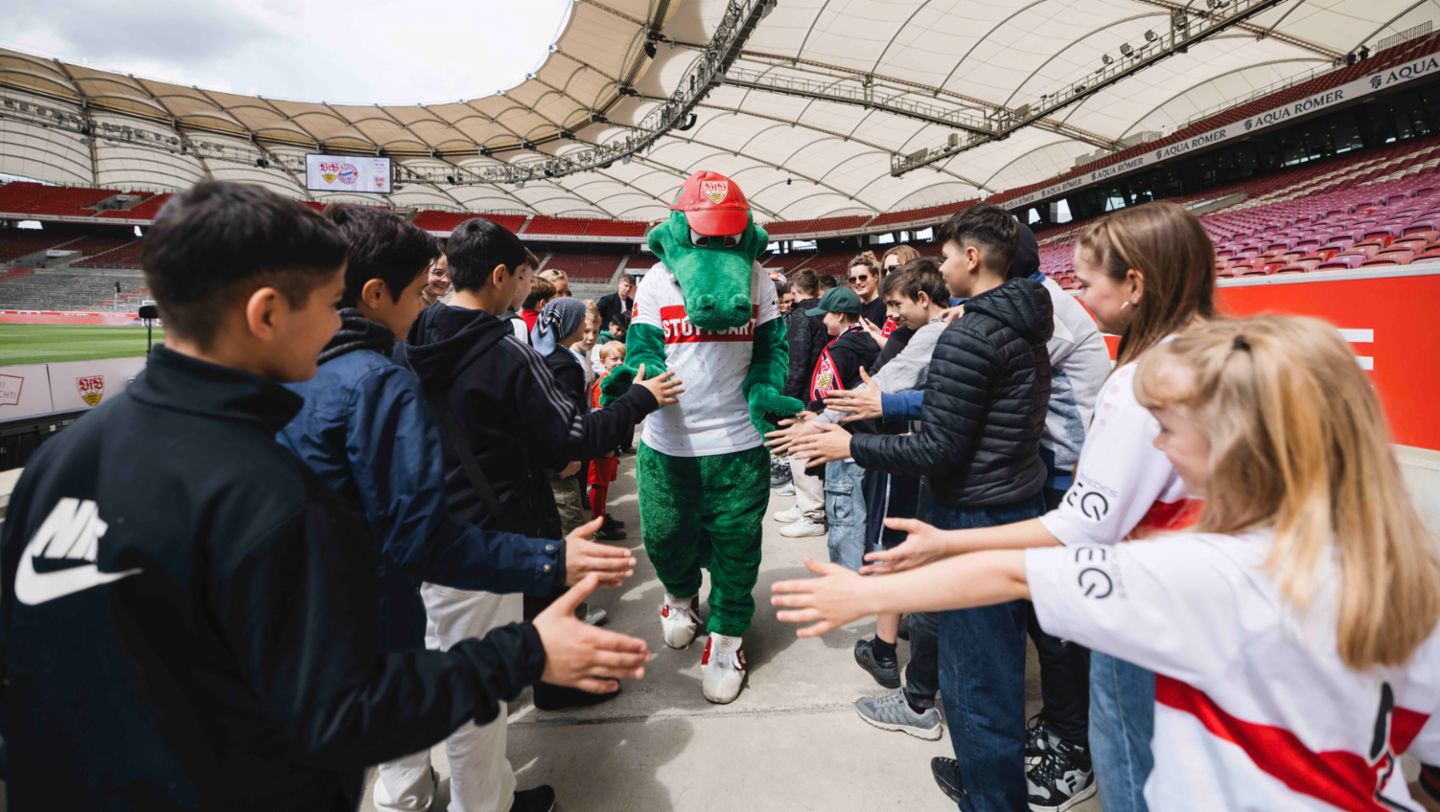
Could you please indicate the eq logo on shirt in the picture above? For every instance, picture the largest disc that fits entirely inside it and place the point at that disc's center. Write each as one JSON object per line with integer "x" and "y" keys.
{"x": 678, "y": 330}
{"x": 1094, "y": 576}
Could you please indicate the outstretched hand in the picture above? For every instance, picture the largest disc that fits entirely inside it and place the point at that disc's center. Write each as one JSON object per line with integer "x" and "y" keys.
{"x": 582, "y": 656}
{"x": 829, "y": 444}
{"x": 924, "y": 544}
{"x": 828, "y": 602}
{"x": 667, "y": 388}
{"x": 791, "y": 429}
{"x": 860, "y": 403}
{"x": 584, "y": 555}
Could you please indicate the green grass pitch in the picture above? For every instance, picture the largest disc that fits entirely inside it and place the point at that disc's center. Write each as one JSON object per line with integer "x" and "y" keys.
{"x": 47, "y": 343}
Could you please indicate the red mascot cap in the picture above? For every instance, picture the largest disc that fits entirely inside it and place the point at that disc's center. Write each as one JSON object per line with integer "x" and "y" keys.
{"x": 713, "y": 204}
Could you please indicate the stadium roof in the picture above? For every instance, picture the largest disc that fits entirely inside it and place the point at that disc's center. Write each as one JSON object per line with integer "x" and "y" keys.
{"x": 821, "y": 98}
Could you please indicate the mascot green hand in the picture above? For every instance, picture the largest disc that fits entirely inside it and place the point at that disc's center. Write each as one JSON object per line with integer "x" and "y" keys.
{"x": 708, "y": 312}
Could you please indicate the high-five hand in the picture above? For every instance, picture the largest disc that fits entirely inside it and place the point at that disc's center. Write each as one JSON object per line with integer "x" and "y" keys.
{"x": 861, "y": 403}
{"x": 584, "y": 555}
{"x": 835, "y": 598}
{"x": 924, "y": 544}
{"x": 829, "y": 444}
{"x": 667, "y": 388}
{"x": 583, "y": 656}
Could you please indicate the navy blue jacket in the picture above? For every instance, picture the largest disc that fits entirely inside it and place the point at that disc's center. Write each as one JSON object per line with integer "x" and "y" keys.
{"x": 367, "y": 432}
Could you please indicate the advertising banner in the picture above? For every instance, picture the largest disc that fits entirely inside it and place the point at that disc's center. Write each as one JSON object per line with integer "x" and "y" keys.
{"x": 1387, "y": 315}
{"x": 24, "y": 392}
{"x": 78, "y": 385}
{"x": 347, "y": 173}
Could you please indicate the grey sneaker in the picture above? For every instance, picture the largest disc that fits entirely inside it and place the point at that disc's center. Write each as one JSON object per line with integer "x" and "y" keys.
{"x": 892, "y": 712}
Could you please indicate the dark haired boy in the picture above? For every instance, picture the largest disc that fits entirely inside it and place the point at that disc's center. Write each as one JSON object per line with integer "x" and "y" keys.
{"x": 978, "y": 446}
{"x": 510, "y": 416}
{"x": 186, "y": 606}
{"x": 365, "y": 430}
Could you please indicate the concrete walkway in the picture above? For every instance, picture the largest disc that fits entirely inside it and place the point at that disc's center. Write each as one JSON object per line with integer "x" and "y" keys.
{"x": 792, "y": 741}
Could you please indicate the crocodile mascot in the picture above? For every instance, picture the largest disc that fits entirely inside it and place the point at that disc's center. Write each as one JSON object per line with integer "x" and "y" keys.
{"x": 707, "y": 311}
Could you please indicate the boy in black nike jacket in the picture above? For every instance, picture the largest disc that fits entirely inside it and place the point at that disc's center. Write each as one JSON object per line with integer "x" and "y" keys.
{"x": 188, "y": 613}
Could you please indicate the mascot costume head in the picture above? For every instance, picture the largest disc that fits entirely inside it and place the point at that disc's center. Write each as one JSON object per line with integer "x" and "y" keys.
{"x": 710, "y": 243}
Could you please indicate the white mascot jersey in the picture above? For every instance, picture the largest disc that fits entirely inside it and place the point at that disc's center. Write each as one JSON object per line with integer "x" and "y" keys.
{"x": 712, "y": 416}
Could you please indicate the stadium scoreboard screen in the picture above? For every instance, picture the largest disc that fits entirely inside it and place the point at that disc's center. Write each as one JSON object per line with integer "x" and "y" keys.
{"x": 347, "y": 173}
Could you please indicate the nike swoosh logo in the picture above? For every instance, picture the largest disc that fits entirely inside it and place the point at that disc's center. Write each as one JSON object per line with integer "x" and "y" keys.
{"x": 34, "y": 588}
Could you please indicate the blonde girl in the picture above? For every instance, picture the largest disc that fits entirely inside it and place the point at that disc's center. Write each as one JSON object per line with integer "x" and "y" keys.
{"x": 1292, "y": 631}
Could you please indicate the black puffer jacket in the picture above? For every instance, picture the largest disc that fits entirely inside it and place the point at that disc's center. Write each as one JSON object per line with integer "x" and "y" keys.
{"x": 985, "y": 398}
{"x": 807, "y": 336}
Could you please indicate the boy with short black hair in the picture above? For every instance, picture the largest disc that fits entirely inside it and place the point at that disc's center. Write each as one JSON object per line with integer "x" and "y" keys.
{"x": 362, "y": 408}
{"x": 978, "y": 445}
{"x": 511, "y": 420}
{"x": 189, "y": 614}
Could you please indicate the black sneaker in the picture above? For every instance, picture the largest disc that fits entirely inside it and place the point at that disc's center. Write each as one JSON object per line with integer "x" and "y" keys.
{"x": 1062, "y": 778}
{"x": 539, "y": 799}
{"x": 779, "y": 476}
{"x": 609, "y": 533}
{"x": 885, "y": 673}
{"x": 947, "y": 776}
{"x": 562, "y": 697}
{"x": 612, "y": 522}
{"x": 1037, "y": 740}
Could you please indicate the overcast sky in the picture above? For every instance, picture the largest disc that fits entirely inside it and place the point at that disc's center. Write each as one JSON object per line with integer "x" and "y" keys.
{"x": 353, "y": 52}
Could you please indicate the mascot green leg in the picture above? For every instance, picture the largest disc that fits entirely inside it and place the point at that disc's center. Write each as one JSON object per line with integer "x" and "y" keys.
{"x": 706, "y": 511}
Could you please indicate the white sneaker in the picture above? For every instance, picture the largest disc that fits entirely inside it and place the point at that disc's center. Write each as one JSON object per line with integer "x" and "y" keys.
{"x": 789, "y": 515}
{"x": 788, "y": 489}
{"x": 802, "y": 529}
{"x": 680, "y": 620}
{"x": 722, "y": 668}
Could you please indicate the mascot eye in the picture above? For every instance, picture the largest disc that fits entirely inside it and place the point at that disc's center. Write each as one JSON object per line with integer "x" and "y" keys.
{"x": 729, "y": 240}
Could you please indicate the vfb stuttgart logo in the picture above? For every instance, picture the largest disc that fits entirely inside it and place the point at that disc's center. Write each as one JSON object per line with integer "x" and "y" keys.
{"x": 716, "y": 190}
{"x": 91, "y": 388}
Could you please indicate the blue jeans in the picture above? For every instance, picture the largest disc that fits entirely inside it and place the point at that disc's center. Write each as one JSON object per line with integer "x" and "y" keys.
{"x": 1122, "y": 722}
{"x": 982, "y": 677}
{"x": 845, "y": 513}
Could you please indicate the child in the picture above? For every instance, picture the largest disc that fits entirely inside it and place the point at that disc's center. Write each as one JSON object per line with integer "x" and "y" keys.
{"x": 541, "y": 292}
{"x": 512, "y": 420}
{"x": 850, "y": 350}
{"x": 362, "y": 406}
{"x": 606, "y": 469}
{"x": 212, "y": 643}
{"x": 614, "y": 330}
{"x": 1309, "y": 582}
{"x": 916, "y": 294}
{"x": 979, "y": 447}
{"x": 560, "y": 327}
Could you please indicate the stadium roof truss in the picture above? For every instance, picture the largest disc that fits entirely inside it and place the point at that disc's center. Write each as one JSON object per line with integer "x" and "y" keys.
{"x": 819, "y": 108}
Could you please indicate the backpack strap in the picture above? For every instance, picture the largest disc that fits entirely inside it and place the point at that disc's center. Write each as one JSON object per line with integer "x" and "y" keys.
{"x": 451, "y": 433}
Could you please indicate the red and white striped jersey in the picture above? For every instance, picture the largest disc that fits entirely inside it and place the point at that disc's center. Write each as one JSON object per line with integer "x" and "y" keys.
{"x": 1254, "y": 709}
